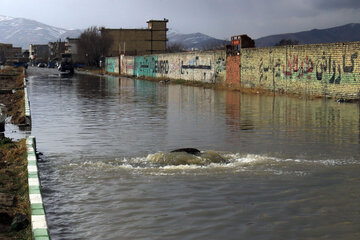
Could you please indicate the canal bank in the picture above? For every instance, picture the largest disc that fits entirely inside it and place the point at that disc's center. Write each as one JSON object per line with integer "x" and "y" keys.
{"x": 21, "y": 209}
{"x": 14, "y": 199}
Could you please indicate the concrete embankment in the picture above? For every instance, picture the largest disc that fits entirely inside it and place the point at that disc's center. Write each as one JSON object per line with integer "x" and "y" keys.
{"x": 38, "y": 217}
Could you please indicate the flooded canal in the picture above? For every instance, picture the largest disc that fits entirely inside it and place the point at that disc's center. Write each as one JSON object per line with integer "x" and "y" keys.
{"x": 291, "y": 166}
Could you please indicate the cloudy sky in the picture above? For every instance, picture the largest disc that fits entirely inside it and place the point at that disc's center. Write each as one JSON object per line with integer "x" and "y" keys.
{"x": 217, "y": 18}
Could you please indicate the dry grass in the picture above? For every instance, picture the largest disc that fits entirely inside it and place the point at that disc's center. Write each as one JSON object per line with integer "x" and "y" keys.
{"x": 16, "y": 108}
{"x": 13, "y": 160}
{"x": 13, "y": 180}
{"x": 15, "y": 103}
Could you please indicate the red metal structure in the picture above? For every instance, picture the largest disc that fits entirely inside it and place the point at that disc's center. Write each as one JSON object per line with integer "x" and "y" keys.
{"x": 238, "y": 42}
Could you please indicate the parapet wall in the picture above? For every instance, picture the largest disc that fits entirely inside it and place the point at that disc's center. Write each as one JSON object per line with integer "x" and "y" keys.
{"x": 316, "y": 69}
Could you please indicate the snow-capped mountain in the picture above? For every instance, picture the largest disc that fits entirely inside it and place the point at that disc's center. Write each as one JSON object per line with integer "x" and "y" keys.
{"x": 194, "y": 40}
{"x": 22, "y": 32}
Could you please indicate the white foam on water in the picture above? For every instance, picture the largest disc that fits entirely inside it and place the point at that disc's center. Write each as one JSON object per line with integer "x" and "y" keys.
{"x": 235, "y": 162}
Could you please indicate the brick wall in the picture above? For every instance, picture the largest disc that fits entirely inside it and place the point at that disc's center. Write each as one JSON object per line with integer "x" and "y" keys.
{"x": 233, "y": 70}
{"x": 316, "y": 69}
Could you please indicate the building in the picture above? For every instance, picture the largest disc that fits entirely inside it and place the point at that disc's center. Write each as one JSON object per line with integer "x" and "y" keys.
{"x": 39, "y": 53}
{"x": 151, "y": 40}
{"x": 55, "y": 50}
{"x": 71, "y": 47}
{"x": 238, "y": 42}
{"x": 9, "y": 54}
{"x": 4, "y": 52}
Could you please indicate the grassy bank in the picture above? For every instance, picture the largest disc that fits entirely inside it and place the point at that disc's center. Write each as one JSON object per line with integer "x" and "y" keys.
{"x": 12, "y": 93}
{"x": 14, "y": 200}
{"x": 14, "y": 195}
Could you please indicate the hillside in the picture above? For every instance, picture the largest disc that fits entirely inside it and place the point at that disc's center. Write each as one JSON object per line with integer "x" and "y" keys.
{"x": 198, "y": 41}
{"x": 21, "y": 32}
{"x": 345, "y": 33}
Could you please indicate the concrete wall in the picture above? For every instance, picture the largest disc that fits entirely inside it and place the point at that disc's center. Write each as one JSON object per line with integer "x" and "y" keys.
{"x": 316, "y": 69}
{"x": 194, "y": 66}
{"x": 127, "y": 65}
{"x": 112, "y": 64}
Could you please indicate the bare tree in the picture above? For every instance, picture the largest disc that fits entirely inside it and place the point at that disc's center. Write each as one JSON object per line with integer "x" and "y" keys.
{"x": 216, "y": 45}
{"x": 284, "y": 42}
{"x": 175, "y": 47}
{"x": 94, "y": 45}
{"x": 2, "y": 57}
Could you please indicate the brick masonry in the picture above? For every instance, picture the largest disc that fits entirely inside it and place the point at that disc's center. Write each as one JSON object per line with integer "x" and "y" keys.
{"x": 316, "y": 69}
{"x": 233, "y": 71}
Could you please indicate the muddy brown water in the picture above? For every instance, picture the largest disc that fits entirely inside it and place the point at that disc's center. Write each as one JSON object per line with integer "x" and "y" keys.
{"x": 292, "y": 167}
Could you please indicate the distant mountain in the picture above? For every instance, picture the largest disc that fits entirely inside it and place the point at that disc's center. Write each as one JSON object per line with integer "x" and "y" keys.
{"x": 198, "y": 41}
{"x": 346, "y": 33}
{"x": 22, "y": 32}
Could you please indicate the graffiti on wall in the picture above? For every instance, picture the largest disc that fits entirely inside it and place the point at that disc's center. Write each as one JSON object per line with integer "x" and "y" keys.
{"x": 145, "y": 66}
{"x": 220, "y": 65}
{"x": 194, "y": 63}
{"x": 110, "y": 65}
{"x": 209, "y": 67}
{"x": 127, "y": 65}
{"x": 162, "y": 66}
{"x": 297, "y": 67}
{"x": 149, "y": 66}
{"x": 273, "y": 66}
{"x": 333, "y": 68}
{"x": 324, "y": 68}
